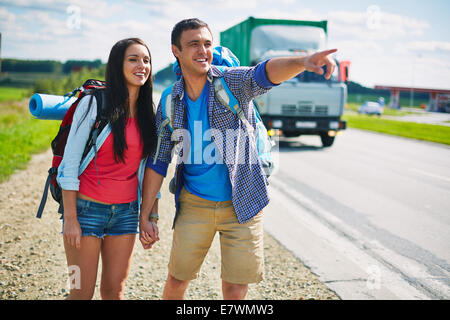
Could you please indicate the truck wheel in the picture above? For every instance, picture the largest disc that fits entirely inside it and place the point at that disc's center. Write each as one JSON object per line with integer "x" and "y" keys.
{"x": 327, "y": 141}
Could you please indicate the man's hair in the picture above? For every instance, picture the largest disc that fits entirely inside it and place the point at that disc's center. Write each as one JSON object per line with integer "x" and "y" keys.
{"x": 186, "y": 24}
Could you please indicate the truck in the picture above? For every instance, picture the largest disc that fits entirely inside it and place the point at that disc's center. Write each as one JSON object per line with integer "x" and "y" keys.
{"x": 307, "y": 104}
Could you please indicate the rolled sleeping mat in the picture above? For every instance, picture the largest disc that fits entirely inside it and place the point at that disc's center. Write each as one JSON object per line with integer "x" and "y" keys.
{"x": 50, "y": 107}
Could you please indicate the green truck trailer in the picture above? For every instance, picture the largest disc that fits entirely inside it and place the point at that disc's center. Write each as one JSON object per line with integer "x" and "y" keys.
{"x": 308, "y": 103}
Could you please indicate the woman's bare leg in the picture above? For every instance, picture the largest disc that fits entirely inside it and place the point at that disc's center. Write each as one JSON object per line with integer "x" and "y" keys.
{"x": 83, "y": 264}
{"x": 116, "y": 259}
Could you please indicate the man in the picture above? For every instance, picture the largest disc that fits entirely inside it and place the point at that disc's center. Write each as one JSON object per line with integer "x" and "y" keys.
{"x": 225, "y": 196}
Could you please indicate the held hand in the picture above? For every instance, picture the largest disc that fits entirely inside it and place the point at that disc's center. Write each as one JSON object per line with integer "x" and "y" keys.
{"x": 316, "y": 61}
{"x": 143, "y": 237}
{"x": 72, "y": 232}
{"x": 148, "y": 233}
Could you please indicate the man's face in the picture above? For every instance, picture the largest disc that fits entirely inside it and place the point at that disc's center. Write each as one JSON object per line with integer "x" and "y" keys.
{"x": 196, "y": 52}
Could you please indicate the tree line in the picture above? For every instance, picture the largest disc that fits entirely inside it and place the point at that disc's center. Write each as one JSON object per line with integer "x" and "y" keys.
{"x": 356, "y": 88}
{"x": 50, "y": 66}
{"x": 69, "y": 82}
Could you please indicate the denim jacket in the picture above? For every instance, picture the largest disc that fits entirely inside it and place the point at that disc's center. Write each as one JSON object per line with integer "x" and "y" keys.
{"x": 71, "y": 166}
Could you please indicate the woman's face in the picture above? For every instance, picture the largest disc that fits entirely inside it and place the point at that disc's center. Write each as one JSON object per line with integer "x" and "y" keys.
{"x": 136, "y": 65}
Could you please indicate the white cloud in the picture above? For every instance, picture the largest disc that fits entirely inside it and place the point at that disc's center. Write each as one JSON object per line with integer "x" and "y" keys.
{"x": 359, "y": 25}
{"x": 7, "y": 21}
{"x": 43, "y": 5}
{"x": 6, "y": 17}
{"x": 225, "y": 4}
{"x": 98, "y": 8}
{"x": 400, "y": 70}
{"x": 383, "y": 26}
{"x": 428, "y": 46}
{"x": 293, "y": 14}
{"x": 349, "y": 49}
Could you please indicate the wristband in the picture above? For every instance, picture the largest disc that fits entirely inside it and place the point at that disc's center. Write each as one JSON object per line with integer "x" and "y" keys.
{"x": 154, "y": 217}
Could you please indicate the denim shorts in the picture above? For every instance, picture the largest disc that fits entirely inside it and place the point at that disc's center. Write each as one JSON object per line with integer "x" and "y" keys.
{"x": 100, "y": 220}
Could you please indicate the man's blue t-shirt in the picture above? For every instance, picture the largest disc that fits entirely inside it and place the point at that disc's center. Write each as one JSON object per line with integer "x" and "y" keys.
{"x": 205, "y": 174}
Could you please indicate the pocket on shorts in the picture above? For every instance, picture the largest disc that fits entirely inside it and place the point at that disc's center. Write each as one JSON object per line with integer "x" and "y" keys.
{"x": 81, "y": 210}
{"x": 135, "y": 208}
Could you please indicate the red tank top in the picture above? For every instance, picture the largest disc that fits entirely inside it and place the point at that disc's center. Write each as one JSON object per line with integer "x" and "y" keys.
{"x": 118, "y": 181}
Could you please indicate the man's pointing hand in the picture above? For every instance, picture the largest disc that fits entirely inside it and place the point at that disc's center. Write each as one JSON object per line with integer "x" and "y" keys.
{"x": 316, "y": 61}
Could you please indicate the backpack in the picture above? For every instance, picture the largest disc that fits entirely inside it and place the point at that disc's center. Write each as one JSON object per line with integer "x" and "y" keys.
{"x": 95, "y": 89}
{"x": 222, "y": 57}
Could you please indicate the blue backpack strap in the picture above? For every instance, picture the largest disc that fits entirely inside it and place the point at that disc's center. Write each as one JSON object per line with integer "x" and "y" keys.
{"x": 167, "y": 108}
{"x": 167, "y": 111}
{"x": 256, "y": 107}
{"x": 227, "y": 98}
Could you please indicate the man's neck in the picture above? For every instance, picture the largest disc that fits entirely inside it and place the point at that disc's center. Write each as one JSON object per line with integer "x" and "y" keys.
{"x": 193, "y": 84}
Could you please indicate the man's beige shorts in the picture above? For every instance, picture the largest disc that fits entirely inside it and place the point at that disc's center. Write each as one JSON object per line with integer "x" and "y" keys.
{"x": 241, "y": 244}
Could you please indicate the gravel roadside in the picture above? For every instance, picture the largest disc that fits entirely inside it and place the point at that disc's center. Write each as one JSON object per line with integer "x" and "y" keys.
{"x": 33, "y": 263}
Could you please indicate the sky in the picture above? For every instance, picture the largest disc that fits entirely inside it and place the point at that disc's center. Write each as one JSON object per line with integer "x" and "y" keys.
{"x": 396, "y": 42}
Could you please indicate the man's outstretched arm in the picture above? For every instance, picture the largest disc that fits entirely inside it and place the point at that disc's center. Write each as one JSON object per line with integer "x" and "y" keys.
{"x": 284, "y": 68}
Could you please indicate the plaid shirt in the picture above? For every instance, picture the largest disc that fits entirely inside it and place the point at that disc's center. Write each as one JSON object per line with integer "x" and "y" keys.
{"x": 249, "y": 184}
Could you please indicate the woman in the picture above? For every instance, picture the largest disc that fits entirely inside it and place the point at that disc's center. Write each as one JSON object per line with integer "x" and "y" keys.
{"x": 101, "y": 205}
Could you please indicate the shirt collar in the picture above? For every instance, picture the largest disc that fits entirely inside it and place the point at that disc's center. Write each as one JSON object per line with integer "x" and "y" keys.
{"x": 178, "y": 87}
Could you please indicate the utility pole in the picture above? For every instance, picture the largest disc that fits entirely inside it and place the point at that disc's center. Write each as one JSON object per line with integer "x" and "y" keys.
{"x": 411, "y": 96}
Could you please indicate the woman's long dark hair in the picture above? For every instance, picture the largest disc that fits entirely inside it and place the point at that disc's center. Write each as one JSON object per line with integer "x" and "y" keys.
{"x": 117, "y": 106}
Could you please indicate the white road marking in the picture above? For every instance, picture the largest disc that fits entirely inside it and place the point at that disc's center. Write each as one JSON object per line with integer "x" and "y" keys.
{"x": 425, "y": 173}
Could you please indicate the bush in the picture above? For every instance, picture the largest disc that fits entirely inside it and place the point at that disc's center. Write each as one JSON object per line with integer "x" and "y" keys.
{"x": 67, "y": 84}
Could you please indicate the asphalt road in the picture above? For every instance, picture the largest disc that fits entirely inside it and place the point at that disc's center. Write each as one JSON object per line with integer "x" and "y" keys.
{"x": 370, "y": 215}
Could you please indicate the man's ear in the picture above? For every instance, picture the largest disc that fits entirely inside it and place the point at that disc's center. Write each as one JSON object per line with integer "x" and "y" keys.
{"x": 175, "y": 51}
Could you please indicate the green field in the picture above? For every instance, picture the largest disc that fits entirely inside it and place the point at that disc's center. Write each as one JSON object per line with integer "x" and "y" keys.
{"x": 13, "y": 94}
{"x": 428, "y": 132}
{"x": 27, "y": 79}
{"x": 21, "y": 136}
{"x": 420, "y": 131}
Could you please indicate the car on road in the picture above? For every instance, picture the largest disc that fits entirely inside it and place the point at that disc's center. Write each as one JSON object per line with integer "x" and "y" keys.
{"x": 370, "y": 107}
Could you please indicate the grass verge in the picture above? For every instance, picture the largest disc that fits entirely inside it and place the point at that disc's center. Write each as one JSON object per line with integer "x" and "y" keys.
{"x": 21, "y": 136}
{"x": 420, "y": 131}
{"x": 13, "y": 94}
